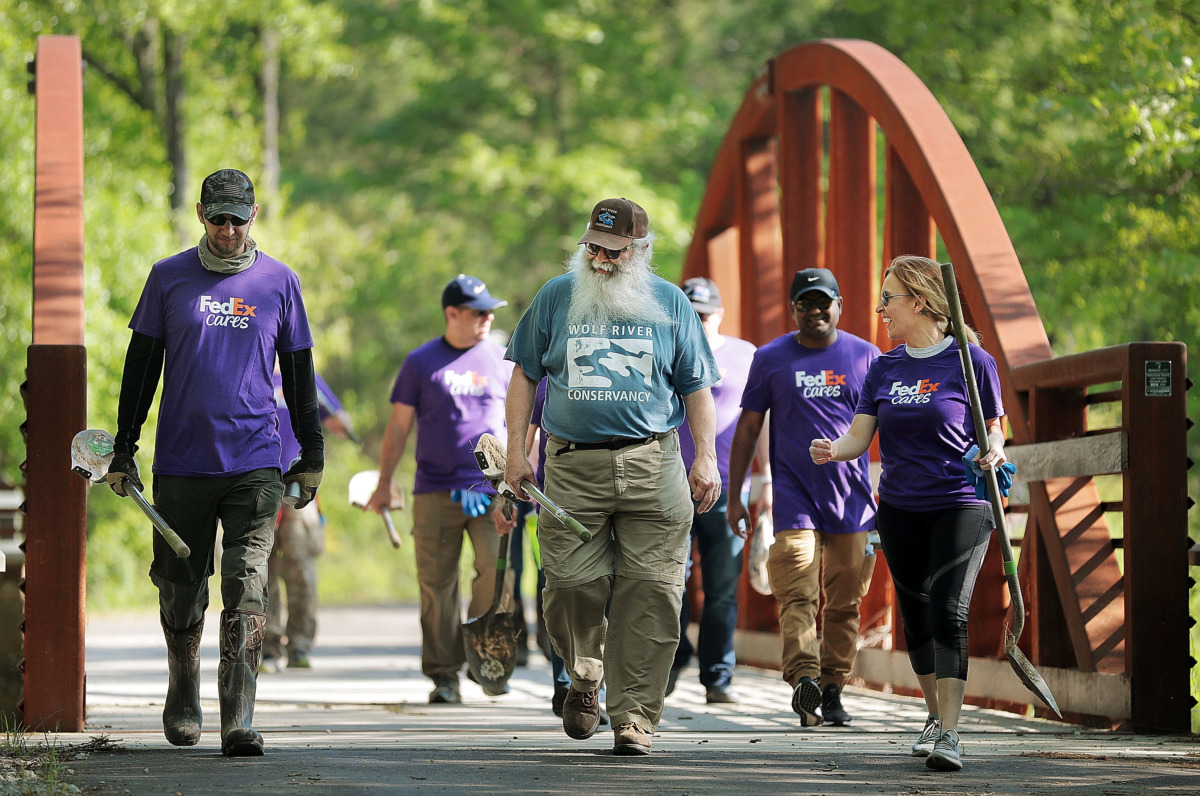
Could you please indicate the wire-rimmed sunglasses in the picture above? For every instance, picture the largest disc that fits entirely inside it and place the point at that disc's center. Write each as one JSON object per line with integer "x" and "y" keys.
{"x": 884, "y": 298}
{"x": 611, "y": 254}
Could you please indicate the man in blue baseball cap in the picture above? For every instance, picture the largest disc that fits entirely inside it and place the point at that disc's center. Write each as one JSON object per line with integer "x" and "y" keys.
{"x": 452, "y": 388}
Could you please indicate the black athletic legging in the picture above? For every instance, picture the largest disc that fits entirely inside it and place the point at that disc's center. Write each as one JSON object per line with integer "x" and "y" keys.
{"x": 934, "y": 558}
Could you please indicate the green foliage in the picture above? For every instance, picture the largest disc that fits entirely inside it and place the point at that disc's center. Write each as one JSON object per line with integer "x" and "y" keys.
{"x": 423, "y": 139}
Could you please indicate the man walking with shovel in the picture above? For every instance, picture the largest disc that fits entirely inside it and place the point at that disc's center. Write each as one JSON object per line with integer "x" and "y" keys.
{"x": 218, "y": 315}
{"x": 624, "y": 354}
{"x": 452, "y": 389}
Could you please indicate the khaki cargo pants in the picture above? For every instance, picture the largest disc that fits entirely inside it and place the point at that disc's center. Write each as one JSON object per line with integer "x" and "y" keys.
{"x": 637, "y": 504}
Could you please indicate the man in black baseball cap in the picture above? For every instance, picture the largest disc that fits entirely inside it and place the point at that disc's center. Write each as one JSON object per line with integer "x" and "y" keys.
{"x": 818, "y": 279}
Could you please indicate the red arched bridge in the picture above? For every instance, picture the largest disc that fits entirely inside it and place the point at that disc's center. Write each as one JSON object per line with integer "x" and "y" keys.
{"x": 795, "y": 185}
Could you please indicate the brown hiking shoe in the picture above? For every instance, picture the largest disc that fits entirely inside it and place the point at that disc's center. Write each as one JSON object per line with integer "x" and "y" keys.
{"x": 631, "y": 740}
{"x": 581, "y": 713}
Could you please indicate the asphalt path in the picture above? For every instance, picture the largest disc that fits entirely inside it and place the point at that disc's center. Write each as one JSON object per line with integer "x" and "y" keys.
{"x": 358, "y": 722}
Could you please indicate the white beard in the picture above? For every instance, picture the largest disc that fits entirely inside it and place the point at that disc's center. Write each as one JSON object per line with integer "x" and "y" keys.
{"x": 627, "y": 295}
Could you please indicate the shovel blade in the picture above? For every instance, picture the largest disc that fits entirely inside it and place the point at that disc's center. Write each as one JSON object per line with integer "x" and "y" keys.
{"x": 1029, "y": 675}
{"x": 490, "y": 642}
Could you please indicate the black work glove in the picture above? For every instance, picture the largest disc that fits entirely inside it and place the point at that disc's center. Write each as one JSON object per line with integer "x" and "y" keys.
{"x": 305, "y": 472}
{"x": 121, "y": 467}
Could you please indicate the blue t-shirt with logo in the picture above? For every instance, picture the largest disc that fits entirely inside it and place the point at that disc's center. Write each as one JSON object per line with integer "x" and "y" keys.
{"x": 811, "y": 393}
{"x": 733, "y": 357}
{"x": 925, "y": 424}
{"x": 458, "y": 395}
{"x": 216, "y": 415}
{"x": 612, "y": 378}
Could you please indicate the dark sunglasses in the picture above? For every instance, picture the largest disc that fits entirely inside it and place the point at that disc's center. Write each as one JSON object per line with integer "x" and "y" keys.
{"x": 219, "y": 221}
{"x": 612, "y": 254}
{"x": 808, "y": 304}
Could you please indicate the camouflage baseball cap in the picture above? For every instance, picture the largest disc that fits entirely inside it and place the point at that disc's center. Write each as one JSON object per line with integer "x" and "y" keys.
{"x": 227, "y": 191}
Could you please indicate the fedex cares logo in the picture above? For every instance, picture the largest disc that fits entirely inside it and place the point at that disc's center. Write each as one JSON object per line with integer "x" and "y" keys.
{"x": 822, "y": 384}
{"x": 235, "y": 312}
{"x": 469, "y": 383}
{"x": 918, "y": 393}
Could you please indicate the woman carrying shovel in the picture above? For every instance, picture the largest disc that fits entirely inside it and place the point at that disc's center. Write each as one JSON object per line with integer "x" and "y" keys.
{"x": 934, "y": 528}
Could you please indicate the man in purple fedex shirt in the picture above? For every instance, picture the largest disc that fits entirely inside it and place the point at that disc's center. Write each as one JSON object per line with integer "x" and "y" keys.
{"x": 809, "y": 380}
{"x": 453, "y": 388}
{"x": 218, "y": 315}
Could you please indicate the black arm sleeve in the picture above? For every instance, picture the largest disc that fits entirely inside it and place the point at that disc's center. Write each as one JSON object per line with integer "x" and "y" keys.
{"x": 139, "y": 382}
{"x": 300, "y": 392}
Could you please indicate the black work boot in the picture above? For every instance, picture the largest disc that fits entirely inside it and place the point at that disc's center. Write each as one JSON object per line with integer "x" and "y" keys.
{"x": 182, "y": 717}
{"x": 241, "y": 643}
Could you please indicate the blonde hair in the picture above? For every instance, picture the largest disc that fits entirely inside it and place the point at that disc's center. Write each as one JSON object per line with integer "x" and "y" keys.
{"x": 922, "y": 277}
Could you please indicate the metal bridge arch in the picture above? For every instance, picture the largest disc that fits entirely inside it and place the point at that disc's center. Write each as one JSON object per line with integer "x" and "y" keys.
{"x": 789, "y": 191}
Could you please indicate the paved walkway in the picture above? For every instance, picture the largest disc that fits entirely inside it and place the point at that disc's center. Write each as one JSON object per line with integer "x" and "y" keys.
{"x": 358, "y": 723}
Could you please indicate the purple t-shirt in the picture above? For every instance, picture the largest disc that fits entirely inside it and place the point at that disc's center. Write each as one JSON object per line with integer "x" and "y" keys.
{"x": 733, "y": 357}
{"x": 812, "y": 392}
{"x": 925, "y": 424}
{"x": 216, "y": 416}
{"x": 458, "y": 395}
{"x": 327, "y": 404}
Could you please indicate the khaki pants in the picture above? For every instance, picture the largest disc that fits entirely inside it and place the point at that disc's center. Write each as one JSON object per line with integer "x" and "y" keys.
{"x": 794, "y": 567}
{"x": 637, "y": 504}
{"x": 438, "y": 526}
{"x": 292, "y": 568}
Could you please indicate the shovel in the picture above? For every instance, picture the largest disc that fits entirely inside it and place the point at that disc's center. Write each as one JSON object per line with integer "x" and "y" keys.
{"x": 363, "y": 485}
{"x": 490, "y": 640}
{"x": 91, "y": 454}
{"x": 491, "y": 456}
{"x": 1020, "y": 664}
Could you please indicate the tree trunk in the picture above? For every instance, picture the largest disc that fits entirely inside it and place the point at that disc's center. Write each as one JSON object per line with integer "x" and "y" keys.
{"x": 173, "y": 129}
{"x": 269, "y": 88}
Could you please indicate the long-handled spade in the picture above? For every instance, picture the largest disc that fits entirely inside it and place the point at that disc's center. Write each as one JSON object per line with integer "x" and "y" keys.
{"x": 1020, "y": 664}
{"x": 91, "y": 454}
{"x": 490, "y": 640}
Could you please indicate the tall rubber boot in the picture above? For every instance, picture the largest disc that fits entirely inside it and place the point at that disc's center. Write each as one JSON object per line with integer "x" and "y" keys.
{"x": 241, "y": 644}
{"x": 182, "y": 717}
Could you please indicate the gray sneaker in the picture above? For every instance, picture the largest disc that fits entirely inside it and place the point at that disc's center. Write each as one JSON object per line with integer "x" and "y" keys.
{"x": 806, "y": 699}
{"x": 929, "y": 736}
{"x": 445, "y": 692}
{"x": 946, "y": 754}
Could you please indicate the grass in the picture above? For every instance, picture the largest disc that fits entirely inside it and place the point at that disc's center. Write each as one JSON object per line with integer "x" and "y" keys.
{"x": 38, "y": 767}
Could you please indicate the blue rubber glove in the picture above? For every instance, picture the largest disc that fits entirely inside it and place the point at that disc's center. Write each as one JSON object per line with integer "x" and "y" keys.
{"x": 474, "y": 503}
{"x": 978, "y": 479}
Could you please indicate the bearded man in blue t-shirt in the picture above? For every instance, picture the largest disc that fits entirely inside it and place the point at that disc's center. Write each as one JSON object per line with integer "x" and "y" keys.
{"x": 218, "y": 315}
{"x": 623, "y": 354}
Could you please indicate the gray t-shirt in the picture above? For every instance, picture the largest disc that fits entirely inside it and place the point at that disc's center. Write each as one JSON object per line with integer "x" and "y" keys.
{"x": 612, "y": 379}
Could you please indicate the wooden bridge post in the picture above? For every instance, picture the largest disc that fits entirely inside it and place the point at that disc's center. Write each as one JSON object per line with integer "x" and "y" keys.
{"x": 56, "y": 400}
{"x": 1156, "y": 567}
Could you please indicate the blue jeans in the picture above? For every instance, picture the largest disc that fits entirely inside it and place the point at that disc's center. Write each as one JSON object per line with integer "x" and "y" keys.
{"x": 720, "y": 569}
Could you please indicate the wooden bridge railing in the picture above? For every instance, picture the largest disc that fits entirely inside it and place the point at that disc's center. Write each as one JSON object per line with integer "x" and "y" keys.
{"x": 780, "y": 199}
